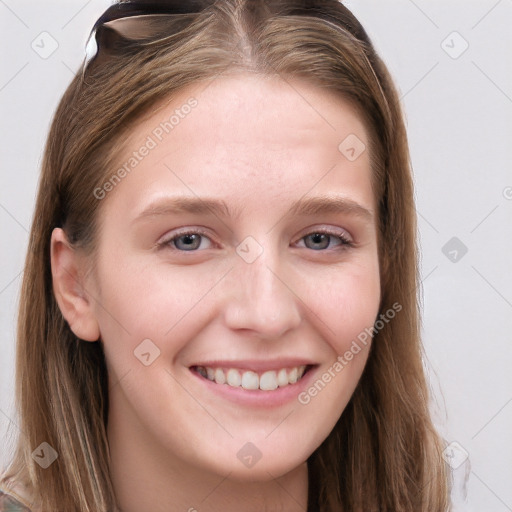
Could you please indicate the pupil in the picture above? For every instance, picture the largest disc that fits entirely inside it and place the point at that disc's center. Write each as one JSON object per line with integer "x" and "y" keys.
{"x": 189, "y": 240}
{"x": 317, "y": 238}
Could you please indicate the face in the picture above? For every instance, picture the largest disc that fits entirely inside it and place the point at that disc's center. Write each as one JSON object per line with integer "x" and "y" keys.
{"x": 240, "y": 245}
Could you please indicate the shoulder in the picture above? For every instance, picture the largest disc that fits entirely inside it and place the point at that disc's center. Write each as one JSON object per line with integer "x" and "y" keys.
{"x": 9, "y": 502}
{"x": 14, "y": 497}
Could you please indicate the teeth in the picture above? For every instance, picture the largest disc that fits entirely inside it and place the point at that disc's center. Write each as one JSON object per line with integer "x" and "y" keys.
{"x": 220, "y": 378}
{"x": 202, "y": 371}
{"x": 250, "y": 380}
{"x": 267, "y": 381}
{"x": 282, "y": 378}
{"x": 233, "y": 378}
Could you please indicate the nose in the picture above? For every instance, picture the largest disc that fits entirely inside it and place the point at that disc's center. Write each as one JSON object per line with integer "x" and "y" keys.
{"x": 262, "y": 298}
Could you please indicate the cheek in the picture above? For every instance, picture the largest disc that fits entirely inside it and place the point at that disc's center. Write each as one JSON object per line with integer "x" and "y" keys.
{"x": 157, "y": 302}
{"x": 347, "y": 307}
{"x": 348, "y": 302}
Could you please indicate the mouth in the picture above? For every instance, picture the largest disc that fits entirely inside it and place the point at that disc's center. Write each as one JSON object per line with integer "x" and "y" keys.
{"x": 268, "y": 380}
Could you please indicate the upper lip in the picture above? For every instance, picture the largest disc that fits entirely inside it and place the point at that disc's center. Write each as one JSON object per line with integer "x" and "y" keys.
{"x": 256, "y": 365}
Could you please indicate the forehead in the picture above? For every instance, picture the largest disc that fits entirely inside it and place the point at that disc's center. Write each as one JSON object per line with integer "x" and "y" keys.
{"x": 242, "y": 137}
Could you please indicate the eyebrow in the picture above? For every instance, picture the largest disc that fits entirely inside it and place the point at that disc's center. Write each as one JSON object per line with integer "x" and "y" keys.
{"x": 302, "y": 207}
{"x": 330, "y": 204}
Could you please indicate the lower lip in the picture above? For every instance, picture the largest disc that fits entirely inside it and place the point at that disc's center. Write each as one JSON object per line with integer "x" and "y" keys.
{"x": 258, "y": 397}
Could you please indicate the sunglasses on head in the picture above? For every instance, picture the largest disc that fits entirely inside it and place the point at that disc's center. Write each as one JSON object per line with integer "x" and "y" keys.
{"x": 127, "y": 24}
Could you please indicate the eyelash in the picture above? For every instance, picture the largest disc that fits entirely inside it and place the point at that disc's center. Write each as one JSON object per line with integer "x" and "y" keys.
{"x": 325, "y": 231}
{"x": 345, "y": 241}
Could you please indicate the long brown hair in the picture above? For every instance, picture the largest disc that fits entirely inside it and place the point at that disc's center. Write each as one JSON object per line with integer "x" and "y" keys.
{"x": 384, "y": 453}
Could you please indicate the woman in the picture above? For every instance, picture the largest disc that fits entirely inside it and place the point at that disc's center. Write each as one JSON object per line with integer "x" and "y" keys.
{"x": 219, "y": 303}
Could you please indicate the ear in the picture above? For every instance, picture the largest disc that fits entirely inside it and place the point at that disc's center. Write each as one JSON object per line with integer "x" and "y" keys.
{"x": 68, "y": 287}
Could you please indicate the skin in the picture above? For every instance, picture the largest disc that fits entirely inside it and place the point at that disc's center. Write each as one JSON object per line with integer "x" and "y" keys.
{"x": 258, "y": 143}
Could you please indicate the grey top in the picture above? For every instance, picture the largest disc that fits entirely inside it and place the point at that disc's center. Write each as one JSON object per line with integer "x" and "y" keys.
{"x": 8, "y": 503}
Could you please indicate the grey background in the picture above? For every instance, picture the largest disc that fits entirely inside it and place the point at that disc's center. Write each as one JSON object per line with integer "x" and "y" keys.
{"x": 458, "y": 106}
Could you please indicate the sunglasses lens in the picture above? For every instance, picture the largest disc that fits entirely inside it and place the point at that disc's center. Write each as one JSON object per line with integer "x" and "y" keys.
{"x": 91, "y": 49}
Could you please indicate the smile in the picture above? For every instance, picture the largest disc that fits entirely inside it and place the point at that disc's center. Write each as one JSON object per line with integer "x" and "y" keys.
{"x": 250, "y": 380}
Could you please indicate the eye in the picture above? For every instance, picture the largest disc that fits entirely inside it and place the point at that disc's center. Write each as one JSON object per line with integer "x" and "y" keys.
{"x": 184, "y": 241}
{"x": 190, "y": 241}
{"x": 321, "y": 239}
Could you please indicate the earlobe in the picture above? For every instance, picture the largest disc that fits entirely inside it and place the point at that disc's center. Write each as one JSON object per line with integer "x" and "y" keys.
{"x": 71, "y": 296}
